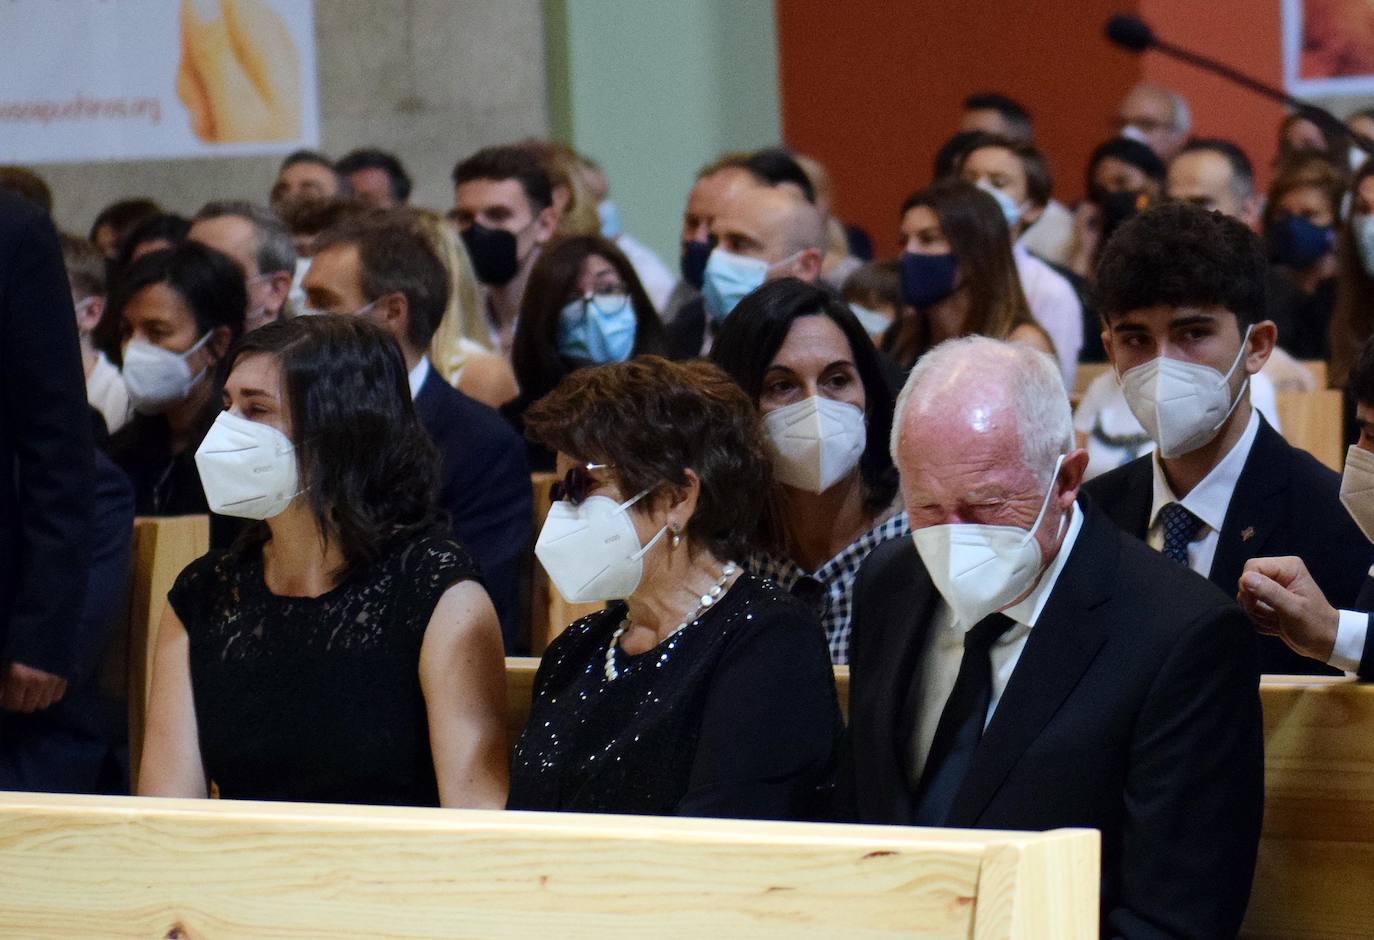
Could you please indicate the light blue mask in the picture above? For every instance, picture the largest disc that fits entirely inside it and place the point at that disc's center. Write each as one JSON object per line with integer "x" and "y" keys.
{"x": 729, "y": 277}
{"x": 590, "y": 331}
{"x": 609, "y": 213}
{"x": 1010, "y": 210}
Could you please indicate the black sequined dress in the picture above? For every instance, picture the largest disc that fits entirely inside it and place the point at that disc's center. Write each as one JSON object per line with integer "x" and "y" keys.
{"x": 735, "y": 715}
{"x": 316, "y": 699}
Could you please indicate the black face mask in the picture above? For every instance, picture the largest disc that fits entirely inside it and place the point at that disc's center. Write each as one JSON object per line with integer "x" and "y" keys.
{"x": 1117, "y": 208}
{"x": 492, "y": 251}
{"x": 694, "y": 255}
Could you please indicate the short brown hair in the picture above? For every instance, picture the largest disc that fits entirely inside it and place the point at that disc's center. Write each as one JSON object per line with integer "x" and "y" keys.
{"x": 1303, "y": 171}
{"x": 1039, "y": 182}
{"x": 85, "y": 266}
{"x": 396, "y": 256}
{"x": 651, "y": 420}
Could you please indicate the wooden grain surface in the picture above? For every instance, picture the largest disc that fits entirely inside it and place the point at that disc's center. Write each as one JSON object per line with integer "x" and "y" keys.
{"x": 1313, "y": 421}
{"x": 130, "y": 867}
{"x": 1315, "y": 875}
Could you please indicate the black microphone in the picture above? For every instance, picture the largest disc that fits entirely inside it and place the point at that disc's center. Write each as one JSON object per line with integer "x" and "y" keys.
{"x": 1134, "y": 34}
{"x": 1130, "y": 32}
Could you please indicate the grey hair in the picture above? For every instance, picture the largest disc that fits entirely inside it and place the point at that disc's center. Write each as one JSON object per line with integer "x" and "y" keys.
{"x": 1183, "y": 118}
{"x": 1044, "y": 420}
{"x": 275, "y": 251}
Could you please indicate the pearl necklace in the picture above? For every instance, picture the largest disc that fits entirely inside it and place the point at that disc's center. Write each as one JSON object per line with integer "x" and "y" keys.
{"x": 707, "y": 599}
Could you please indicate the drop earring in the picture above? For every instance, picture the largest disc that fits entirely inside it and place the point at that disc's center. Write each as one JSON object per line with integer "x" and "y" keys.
{"x": 677, "y": 538}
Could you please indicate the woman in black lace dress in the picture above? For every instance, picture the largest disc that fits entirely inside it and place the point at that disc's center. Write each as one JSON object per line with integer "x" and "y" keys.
{"x": 704, "y": 691}
{"x": 344, "y": 650}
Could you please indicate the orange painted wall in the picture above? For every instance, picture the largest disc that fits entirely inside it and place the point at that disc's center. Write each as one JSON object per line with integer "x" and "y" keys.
{"x": 873, "y": 87}
{"x": 1244, "y": 35}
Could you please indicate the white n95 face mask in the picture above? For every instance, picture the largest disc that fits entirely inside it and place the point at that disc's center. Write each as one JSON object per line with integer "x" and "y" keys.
{"x": 1181, "y": 405}
{"x": 814, "y": 443}
{"x": 247, "y": 468}
{"x": 591, "y": 551}
{"x": 980, "y": 569}
{"x": 1357, "y": 488}
{"x": 157, "y": 378}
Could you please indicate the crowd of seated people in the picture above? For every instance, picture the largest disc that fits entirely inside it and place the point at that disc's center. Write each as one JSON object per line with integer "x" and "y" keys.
{"x": 784, "y": 456}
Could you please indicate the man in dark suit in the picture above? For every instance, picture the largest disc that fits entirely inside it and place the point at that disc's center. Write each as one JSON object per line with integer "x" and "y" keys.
{"x": 1181, "y": 294}
{"x": 46, "y": 459}
{"x": 1014, "y": 668}
{"x": 1281, "y": 595}
{"x": 761, "y": 233}
{"x": 382, "y": 267}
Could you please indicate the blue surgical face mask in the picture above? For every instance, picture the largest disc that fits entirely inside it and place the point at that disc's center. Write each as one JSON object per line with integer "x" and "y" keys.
{"x": 1010, "y": 210}
{"x": 927, "y": 279}
{"x": 1297, "y": 243}
{"x": 693, "y": 263}
{"x": 610, "y": 218}
{"x": 729, "y": 277}
{"x": 597, "y": 328}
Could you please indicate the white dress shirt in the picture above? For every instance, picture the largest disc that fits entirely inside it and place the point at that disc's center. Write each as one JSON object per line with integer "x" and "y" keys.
{"x": 107, "y": 393}
{"x": 1056, "y": 307}
{"x": 418, "y": 376}
{"x": 1209, "y": 500}
{"x": 944, "y": 651}
{"x": 1351, "y": 631}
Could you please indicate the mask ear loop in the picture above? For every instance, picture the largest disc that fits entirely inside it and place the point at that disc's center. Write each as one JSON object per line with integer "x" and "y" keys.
{"x": 636, "y": 556}
{"x": 1226, "y": 379}
{"x": 1044, "y": 507}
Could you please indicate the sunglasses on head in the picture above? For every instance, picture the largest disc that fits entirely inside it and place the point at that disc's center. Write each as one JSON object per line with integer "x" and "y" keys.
{"x": 576, "y": 484}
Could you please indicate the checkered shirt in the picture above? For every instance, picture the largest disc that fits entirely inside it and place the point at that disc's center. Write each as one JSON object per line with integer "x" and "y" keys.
{"x": 830, "y": 588}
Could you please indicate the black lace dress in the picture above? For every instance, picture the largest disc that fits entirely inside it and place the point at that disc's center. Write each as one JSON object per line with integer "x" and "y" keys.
{"x": 735, "y": 715}
{"x": 316, "y": 699}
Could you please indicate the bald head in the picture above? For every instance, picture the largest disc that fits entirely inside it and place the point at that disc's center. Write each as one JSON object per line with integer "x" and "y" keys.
{"x": 979, "y": 394}
{"x": 979, "y": 432}
{"x": 1155, "y": 116}
{"x": 775, "y": 225}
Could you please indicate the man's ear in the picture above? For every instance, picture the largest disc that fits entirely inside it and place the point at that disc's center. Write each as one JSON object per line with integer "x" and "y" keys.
{"x": 219, "y": 342}
{"x": 278, "y": 289}
{"x": 89, "y": 318}
{"x": 544, "y": 224}
{"x": 394, "y": 310}
{"x": 808, "y": 265}
{"x": 1264, "y": 335}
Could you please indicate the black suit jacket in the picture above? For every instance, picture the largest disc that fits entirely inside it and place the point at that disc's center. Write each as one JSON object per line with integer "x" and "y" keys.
{"x": 1123, "y": 714}
{"x": 687, "y": 331}
{"x": 484, "y": 485}
{"x": 1285, "y": 503}
{"x": 46, "y": 451}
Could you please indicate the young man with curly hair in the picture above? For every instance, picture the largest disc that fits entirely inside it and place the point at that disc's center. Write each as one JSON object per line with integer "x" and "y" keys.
{"x": 1181, "y": 294}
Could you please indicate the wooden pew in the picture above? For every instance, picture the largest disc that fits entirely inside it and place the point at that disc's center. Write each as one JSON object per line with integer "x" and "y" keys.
{"x": 550, "y": 614}
{"x": 1315, "y": 873}
{"x": 80, "y": 866}
{"x": 1313, "y": 421}
{"x": 162, "y": 547}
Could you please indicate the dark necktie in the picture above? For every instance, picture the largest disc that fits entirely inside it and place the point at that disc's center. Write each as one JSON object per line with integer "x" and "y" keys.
{"x": 961, "y": 723}
{"x": 1180, "y": 528}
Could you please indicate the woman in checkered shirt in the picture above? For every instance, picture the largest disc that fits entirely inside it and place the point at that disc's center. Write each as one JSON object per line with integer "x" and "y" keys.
{"x": 819, "y": 384}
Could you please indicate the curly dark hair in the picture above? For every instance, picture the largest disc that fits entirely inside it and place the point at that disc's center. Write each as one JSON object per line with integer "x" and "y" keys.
{"x": 1180, "y": 255}
{"x": 756, "y": 330}
{"x": 652, "y": 419}
{"x": 367, "y": 466}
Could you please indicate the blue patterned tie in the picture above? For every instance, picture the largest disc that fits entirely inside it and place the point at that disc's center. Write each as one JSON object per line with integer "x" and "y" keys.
{"x": 1180, "y": 528}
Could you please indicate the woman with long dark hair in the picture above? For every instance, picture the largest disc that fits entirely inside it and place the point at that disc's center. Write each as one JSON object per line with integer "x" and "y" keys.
{"x": 811, "y": 370}
{"x": 344, "y": 650}
{"x": 583, "y": 306}
{"x": 958, "y": 274}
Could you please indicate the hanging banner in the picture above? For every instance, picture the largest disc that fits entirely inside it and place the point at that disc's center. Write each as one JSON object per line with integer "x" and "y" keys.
{"x": 85, "y": 80}
{"x": 1328, "y": 48}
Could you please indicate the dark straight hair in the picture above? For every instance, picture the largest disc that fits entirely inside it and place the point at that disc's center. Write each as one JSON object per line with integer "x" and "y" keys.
{"x": 534, "y": 352}
{"x": 756, "y": 330}
{"x": 209, "y": 282}
{"x": 367, "y": 467}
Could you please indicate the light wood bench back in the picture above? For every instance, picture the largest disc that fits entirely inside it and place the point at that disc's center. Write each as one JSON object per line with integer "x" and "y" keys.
{"x": 73, "y": 866}
{"x": 162, "y": 547}
{"x": 1316, "y": 864}
{"x": 1314, "y": 422}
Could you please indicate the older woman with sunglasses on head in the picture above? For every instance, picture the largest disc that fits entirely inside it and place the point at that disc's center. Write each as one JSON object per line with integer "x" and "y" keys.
{"x": 705, "y": 691}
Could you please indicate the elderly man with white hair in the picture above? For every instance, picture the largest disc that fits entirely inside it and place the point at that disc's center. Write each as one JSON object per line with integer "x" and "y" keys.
{"x": 1023, "y": 664}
